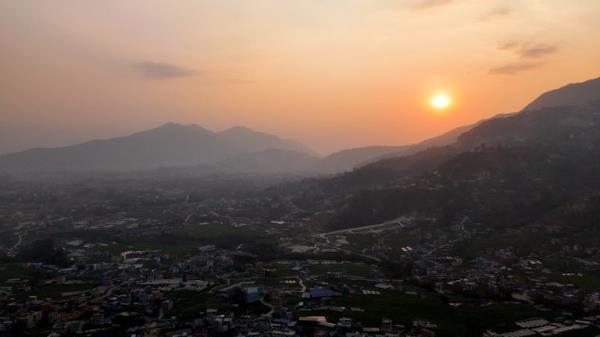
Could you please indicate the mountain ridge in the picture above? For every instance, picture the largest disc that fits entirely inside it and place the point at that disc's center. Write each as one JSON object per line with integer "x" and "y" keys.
{"x": 494, "y": 172}
{"x": 189, "y": 145}
{"x": 570, "y": 94}
{"x": 169, "y": 145}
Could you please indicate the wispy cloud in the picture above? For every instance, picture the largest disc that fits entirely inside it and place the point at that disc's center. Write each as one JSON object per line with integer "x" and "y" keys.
{"x": 529, "y": 56}
{"x": 529, "y": 50}
{"x": 514, "y": 68}
{"x": 496, "y": 13}
{"x": 160, "y": 70}
{"x": 537, "y": 50}
{"x": 427, "y": 4}
{"x": 509, "y": 45}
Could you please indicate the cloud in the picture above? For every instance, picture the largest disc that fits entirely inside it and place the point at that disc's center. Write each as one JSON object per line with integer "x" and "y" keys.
{"x": 514, "y": 68}
{"x": 509, "y": 45}
{"x": 527, "y": 50}
{"x": 529, "y": 56}
{"x": 496, "y": 13}
{"x": 537, "y": 51}
{"x": 160, "y": 70}
{"x": 427, "y": 4}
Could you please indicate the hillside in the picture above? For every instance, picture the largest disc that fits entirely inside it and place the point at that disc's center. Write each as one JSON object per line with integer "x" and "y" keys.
{"x": 350, "y": 159}
{"x": 171, "y": 145}
{"x": 571, "y": 94}
{"x": 271, "y": 161}
{"x": 512, "y": 171}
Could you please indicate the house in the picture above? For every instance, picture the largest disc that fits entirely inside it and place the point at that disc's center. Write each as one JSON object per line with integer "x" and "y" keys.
{"x": 253, "y": 294}
{"x": 319, "y": 292}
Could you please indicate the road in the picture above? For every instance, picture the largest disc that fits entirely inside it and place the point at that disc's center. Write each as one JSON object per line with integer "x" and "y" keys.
{"x": 392, "y": 224}
{"x": 13, "y": 250}
{"x": 108, "y": 293}
{"x": 301, "y": 283}
{"x": 270, "y": 313}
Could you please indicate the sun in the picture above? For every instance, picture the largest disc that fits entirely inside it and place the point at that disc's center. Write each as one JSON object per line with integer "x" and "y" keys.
{"x": 440, "y": 101}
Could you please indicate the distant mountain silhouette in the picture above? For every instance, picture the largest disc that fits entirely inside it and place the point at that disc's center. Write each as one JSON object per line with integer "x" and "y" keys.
{"x": 235, "y": 150}
{"x": 521, "y": 169}
{"x": 242, "y": 150}
{"x": 555, "y": 121}
{"x": 572, "y": 94}
{"x": 564, "y": 110}
{"x": 254, "y": 141}
{"x": 352, "y": 158}
{"x": 512, "y": 170}
{"x": 170, "y": 145}
{"x": 272, "y": 161}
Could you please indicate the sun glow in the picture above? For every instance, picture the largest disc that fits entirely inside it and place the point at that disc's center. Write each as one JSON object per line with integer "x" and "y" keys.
{"x": 440, "y": 101}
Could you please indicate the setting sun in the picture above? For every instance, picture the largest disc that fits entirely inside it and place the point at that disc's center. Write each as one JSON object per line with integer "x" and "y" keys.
{"x": 440, "y": 101}
{"x": 447, "y": 145}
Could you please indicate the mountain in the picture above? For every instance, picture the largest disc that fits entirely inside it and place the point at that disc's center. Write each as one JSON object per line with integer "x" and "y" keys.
{"x": 564, "y": 127}
{"x": 514, "y": 171}
{"x": 272, "y": 161}
{"x": 253, "y": 141}
{"x": 553, "y": 116}
{"x": 352, "y": 158}
{"x": 240, "y": 149}
{"x": 234, "y": 150}
{"x": 572, "y": 94}
{"x": 517, "y": 170}
{"x": 170, "y": 145}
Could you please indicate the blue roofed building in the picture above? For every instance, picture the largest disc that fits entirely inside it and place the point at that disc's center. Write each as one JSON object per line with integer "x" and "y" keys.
{"x": 254, "y": 294}
{"x": 319, "y": 292}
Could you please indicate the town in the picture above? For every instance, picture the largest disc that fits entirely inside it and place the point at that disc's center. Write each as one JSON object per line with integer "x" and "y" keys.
{"x": 164, "y": 264}
{"x": 283, "y": 168}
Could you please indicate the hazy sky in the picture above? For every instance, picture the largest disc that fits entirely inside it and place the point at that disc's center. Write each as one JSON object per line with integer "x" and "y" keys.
{"x": 330, "y": 73}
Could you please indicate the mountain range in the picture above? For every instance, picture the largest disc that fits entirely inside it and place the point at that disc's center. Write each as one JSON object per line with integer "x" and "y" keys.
{"x": 242, "y": 150}
{"x": 571, "y": 94}
{"x": 170, "y": 145}
{"x": 531, "y": 172}
{"x": 235, "y": 150}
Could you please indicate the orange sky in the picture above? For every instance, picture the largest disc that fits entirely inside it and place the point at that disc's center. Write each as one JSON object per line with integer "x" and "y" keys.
{"x": 330, "y": 73}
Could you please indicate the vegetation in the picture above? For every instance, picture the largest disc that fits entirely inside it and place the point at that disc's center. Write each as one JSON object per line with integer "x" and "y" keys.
{"x": 468, "y": 320}
{"x": 11, "y": 271}
{"x": 352, "y": 269}
{"x": 56, "y": 290}
{"x": 192, "y": 303}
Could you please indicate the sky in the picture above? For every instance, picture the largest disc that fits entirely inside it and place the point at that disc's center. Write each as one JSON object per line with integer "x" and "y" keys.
{"x": 332, "y": 74}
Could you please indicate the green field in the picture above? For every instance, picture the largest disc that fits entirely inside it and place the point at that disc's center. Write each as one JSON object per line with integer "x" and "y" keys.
{"x": 254, "y": 241}
{"x": 348, "y": 268}
{"x": 55, "y": 290}
{"x": 589, "y": 281}
{"x": 193, "y": 236}
{"x": 395, "y": 239}
{"x": 192, "y": 303}
{"x": 175, "y": 249}
{"x": 216, "y": 232}
{"x": 451, "y": 321}
{"x": 10, "y": 271}
{"x": 523, "y": 243}
{"x": 358, "y": 242}
{"x": 282, "y": 270}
